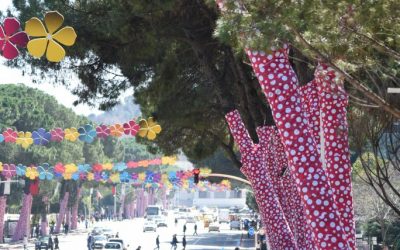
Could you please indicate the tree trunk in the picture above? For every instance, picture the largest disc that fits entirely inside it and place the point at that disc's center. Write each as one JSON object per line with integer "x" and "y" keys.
{"x": 74, "y": 220}
{"x": 24, "y": 219}
{"x": 61, "y": 215}
{"x": 3, "y": 204}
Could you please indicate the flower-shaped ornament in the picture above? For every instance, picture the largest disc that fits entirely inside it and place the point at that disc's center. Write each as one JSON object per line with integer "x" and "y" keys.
{"x": 10, "y": 135}
{"x": 116, "y": 130}
{"x": 57, "y": 134}
{"x": 1, "y": 138}
{"x": 87, "y": 133}
{"x": 103, "y": 131}
{"x": 31, "y": 172}
{"x": 45, "y": 172}
{"x": 149, "y": 128}
{"x": 21, "y": 170}
{"x": 10, "y": 38}
{"x": 41, "y": 137}
{"x": 131, "y": 128}
{"x": 48, "y": 40}
{"x": 71, "y": 134}
{"x": 24, "y": 139}
{"x": 9, "y": 171}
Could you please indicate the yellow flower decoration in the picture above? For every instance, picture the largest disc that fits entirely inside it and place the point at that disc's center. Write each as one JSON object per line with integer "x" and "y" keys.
{"x": 71, "y": 134}
{"x": 90, "y": 177}
{"x": 49, "y": 38}
{"x": 149, "y": 128}
{"x": 107, "y": 166}
{"x": 67, "y": 176}
{"x": 166, "y": 160}
{"x": 31, "y": 173}
{"x": 71, "y": 168}
{"x": 170, "y": 186}
{"x": 226, "y": 183}
{"x": 164, "y": 178}
{"x": 24, "y": 139}
{"x": 115, "y": 178}
{"x": 205, "y": 170}
{"x": 142, "y": 176}
{"x": 1, "y": 166}
{"x": 185, "y": 184}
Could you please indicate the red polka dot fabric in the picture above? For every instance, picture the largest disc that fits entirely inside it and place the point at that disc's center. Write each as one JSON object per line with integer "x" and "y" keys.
{"x": 333, "y": 102}
{"x": 289, "y": 197}
{"x": 253, "y": 166}
{"x": 280, "y": 85}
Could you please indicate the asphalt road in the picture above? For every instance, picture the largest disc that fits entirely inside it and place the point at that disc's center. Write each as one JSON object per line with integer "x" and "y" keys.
{"x": 131, "y": 231}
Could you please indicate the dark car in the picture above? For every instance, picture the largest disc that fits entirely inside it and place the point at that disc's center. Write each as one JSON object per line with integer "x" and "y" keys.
{"x": 42, "y": 243}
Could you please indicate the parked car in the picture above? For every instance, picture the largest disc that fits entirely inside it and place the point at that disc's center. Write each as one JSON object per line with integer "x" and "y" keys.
{"x": 113, "y": 245}
{"x": 97, "y": 230}
{"x": 42, "y": 243}
{"x": 213, "y": 227}
{"x": 99, "y": 241}
{"x": 235, "y": 224}
{"x": 149, "y": 226}
{"x": 118, "y": 240}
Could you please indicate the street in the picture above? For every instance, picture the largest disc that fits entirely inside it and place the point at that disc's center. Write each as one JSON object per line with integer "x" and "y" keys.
{"x": 131, "y": 231}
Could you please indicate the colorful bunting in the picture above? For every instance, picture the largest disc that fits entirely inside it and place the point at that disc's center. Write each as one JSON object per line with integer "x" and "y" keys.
{"x": 10, "y": 38}
{"x": 149, "y": 128}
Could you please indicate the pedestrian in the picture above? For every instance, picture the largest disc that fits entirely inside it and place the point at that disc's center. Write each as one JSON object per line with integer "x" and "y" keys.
{"x": 37, "y": 231}
{"x": 184, "y": 229}
{"x": 184, "y": 242}
{"x": 52, "y": 227}
{"x": 89, "y": 242}
{"x": 139, "y": 248}
{"x": 157, "y": 242}
{"x": 195, "y": 229}
{"x": 117, "y": 235}
{"x": 176, "y": 221}
{"x": 56, "y": 242}
{"x": 86, "y": 223}
{"x": 66, "y": 228}
{"x": 174, "y": 242}
{"x": 25, "y": 241}
{"x": 50, "y": 243}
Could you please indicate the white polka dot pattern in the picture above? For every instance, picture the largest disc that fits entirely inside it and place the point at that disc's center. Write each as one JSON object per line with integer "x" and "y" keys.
{"x": 333, "y": 102}
{"x": 253, "y": 166}
{"x": 279, "y": 83}
{"x": 289, "y": 197}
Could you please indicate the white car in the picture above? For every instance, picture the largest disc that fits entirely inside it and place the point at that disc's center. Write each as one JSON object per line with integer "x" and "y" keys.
{"x": 120, "y": 241}
{"x": 149, "y": 226}
{"x": 113, "y": 245}
{"x": 99, "y": 241}
{"x": 161, "y": 222}
{"x": 213, "y": 227}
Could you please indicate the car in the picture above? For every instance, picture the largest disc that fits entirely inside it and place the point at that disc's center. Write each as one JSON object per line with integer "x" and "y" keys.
{"x": 235, "y": 224}
{"x": 213, "y": 227}
{"x": 161, "y": 222}
{"x": 118, "y": 240}
{"x": 42, "y": 243}
{"x": 113, "y": 245}
{"x": 109, "y": 233}
{"x": 97, "y": 231}
{"x": 99, "y": 241}
{"x": 149, "y": 226}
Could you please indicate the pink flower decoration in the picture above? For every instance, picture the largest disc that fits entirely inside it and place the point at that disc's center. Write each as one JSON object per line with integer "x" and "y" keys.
{"x": 10, "y": 38}
{"x": 132, "y": 164}
{"x": 131, "y": 128}
{"x": 59, "y": 168}
{"x": 10, "y": 135}
{"x": 9, "y": 171}
{"x": 57, "y": 134}
{"x": 103, "y": 131}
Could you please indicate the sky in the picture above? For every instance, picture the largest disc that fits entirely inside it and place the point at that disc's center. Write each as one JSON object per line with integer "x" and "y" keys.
{"x": 63, "y": 96}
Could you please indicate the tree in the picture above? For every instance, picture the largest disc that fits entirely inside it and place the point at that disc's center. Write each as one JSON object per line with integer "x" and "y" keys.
{"x": 356, "y": 38}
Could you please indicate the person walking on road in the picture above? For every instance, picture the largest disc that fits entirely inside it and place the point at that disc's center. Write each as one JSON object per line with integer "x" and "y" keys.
{"x": 50, "y": 243}
{"x": 195, "y": 229}
{"x": 89, "y": 242}
{"x": 174, "y": 242}
{"x": 184, "y": 242}
{"x": 56, "y": 242}
{"x": 157, "y": 242}
{"x": 25, "y": 241}
{"x": 184, "y": 229}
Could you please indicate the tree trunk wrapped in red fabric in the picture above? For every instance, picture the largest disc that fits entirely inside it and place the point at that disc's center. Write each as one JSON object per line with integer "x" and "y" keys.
{"x": 74, "y": 219}
{"x": 285, "y": 187}
{"x": 254, "y": 161}
{"x": 3, "y": 204}
{"x": 280, "y": 86}
{"x": 22, "y": 227}
{"x": 333, "y": 103}
{"x": 62, "y": 213}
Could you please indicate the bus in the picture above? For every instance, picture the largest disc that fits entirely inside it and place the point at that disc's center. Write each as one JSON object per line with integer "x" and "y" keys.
{"x": 153, "y": 211}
